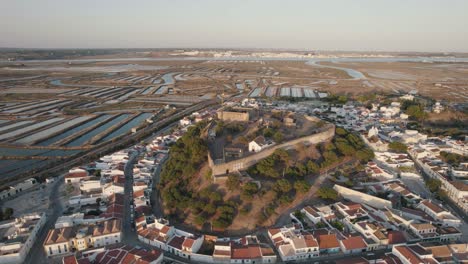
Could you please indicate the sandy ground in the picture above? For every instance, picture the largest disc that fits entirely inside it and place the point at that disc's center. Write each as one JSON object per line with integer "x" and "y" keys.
{"x": 33, "y": 201}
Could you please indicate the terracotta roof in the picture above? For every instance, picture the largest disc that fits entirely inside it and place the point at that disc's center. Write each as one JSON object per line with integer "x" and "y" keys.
{"x": 310, "y": 241}
{"x": 188, "y": 242}
{"x": 124, "y": 255}
{"x": 311, "y": 211}
{"x": 267, "y": 251}
{"x": 328, "y": 241}
{"x": 246, "y": 252}
{"x": 108, "y": 227}
{"x": 140, "y": 219}
{"x": 81, "y": 174}
{"x": 392, "y": 259}
{"x": 355, "y": 242}
{"x": 461, "y": 186}
{"x": 139, "y": 193}
{"x": 396, "y": 237}
{"x": 119, "y": 180}
{"x": 69, "y": 260}
{"x": 274, "y": 231}
{"x": 422, "y": 226}
{"x": 434, "y": 207}
{"x": 352, "y": 205}
{"x": 84, "y": 261}
{"x": 409, "y": 255}
{"x": 59, "y": 235}
{"x": 440, "y": 251}
{"x": 419, "y": 250}
{"x": 165, "y": 229}
{"x": 176, "y": 242}
{"x": 260, "y": 140}
{"x": 116, "y": 198}
{"x": 224, "y": 253}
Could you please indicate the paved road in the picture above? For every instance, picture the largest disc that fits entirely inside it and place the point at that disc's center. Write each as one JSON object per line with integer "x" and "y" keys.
{"x": 36, "y": 254}
{"x": 128, "y": 235}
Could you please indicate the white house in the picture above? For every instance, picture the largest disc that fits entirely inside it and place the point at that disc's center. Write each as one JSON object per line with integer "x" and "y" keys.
{"x": 64, "y": 240}
{"x": 259, "y": 144}
{"x": 293, "y": 244}
{"x": 354, "y": 244}
{"x": 18, "y": 188}
{"x": 20, "y": 234}
{"x": 373, "y": 132}
{"x": 438, "y": 213}
{"x": 118, "y": 255}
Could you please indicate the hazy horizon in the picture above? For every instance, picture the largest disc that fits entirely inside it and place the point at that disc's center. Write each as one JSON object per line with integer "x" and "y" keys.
{"x": 336, "y": 25}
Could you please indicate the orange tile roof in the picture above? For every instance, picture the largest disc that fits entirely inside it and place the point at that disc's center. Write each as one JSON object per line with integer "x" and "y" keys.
{"x": 409, "y": 255}
{"x": 108, "y": 227}
{"x": 328, "y": 241}
{"x": 434, "y": 207}
{"x": 69, "y": 260}
{"x": 59, "y": 235}
{"x": 188, "y": 242}
{"x": 246, "y": 252}
{"x": 355, "y": 242}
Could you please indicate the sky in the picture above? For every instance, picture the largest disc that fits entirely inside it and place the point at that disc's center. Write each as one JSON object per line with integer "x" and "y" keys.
{"x": 351, "y": 25}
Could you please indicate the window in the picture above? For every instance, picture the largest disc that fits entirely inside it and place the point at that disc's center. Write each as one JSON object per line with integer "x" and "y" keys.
{"x": 50, "y": 250}
{"x": 59, "y": 249}
{"x": 65, "y": 248}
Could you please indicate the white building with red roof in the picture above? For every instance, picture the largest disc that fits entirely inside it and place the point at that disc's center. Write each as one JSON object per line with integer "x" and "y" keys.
{"x": 353, "y": 244}
{"x": 294, "y": 244}
{"x": 76, "y": 175}
{"x": 439, "y": 214}
{"x": 121, "y": 254}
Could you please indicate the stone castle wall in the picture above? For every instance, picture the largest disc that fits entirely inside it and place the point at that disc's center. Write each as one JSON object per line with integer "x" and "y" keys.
{"x": 234, "y": 116}
{"x": 328, "y": 132}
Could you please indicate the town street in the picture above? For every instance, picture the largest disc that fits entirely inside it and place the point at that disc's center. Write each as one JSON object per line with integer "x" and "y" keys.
{"x": 36, "y": 254}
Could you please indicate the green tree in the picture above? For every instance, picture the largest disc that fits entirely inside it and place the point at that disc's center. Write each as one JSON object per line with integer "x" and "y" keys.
{"x": 344, "y": 147}
{"x": 278, "y": 137}
{"x": 452, "y": 158}
{"x": 397, "y": 147}
{"x": 433, "y": 185}
{"x": 268, "y": 132}
{"x": 337, "y": 225}
{"x": 215, "y": 197}
{"x": 209, "y": 209}
{"x": 416, "y": 112}
{"x": 266, "y": 167}
{"x": 200, "y": 220}
{"x": 301, "y": 186}
{"x": 283, "y": 186}
{"x": 249, "y": 189}
{"x": 327, "y": 193}
{"x": 8, "y": 213}
{"x": 365, "y": 154}
{"x": 312, "y": 167}
{"x": 232, "y": 182}
{"x": 341, "y": 131}
{"x": 342, "y": 99}
{"x": 282, "y": 154}
{"x": 320, "y": 225}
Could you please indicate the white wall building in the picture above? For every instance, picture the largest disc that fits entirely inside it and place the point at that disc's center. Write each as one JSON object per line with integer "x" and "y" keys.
{"x": 21, "y": 234}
